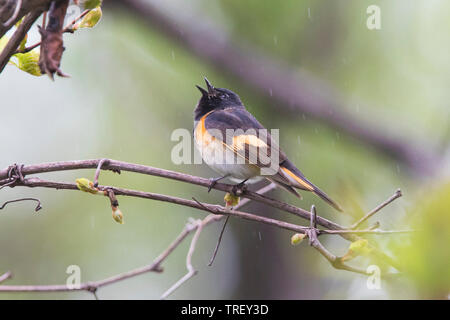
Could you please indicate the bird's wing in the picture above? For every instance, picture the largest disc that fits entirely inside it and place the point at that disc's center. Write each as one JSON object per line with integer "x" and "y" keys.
{"x": 241, "y": 133}
{"x": 248, "y": 139}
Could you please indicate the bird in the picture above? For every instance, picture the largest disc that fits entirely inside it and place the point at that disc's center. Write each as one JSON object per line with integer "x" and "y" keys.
{"x": 234, "y": 144}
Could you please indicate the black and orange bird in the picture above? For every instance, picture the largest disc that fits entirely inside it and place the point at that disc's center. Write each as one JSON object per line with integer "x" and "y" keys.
{"x": 233, "y": 143}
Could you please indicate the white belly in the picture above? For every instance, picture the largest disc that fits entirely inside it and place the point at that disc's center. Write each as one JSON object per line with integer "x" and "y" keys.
{"x": 223, "y": 160}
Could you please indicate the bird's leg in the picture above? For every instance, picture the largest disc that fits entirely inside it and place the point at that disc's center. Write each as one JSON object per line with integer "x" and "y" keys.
{"x": 239, "y": 188}
{"x": 213, "y": 182}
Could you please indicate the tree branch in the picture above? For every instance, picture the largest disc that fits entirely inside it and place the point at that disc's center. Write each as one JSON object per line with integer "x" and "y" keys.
{"x": 396, "y": 195}
{"x": 191, "y": 271}
{"x": 7, "y": 8}
{"x": 15, "y": 175}
{"x": 115, "y": 165}
{"x": 155, "y": 266}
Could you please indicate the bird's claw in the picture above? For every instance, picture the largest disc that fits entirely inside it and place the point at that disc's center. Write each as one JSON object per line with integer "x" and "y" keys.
{"x": 212, "y": 183}
{"x": 239, "y": 189}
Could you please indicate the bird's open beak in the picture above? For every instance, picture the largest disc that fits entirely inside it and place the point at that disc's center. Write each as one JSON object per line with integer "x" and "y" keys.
{"x": 211, "y": 91}
{"x": 203, "y": 91}
{"x": 210, "y": 87}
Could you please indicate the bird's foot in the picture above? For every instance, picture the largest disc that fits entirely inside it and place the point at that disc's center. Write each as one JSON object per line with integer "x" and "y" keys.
{"x": 213, "y": 181}
{"x": 240, "y": 188}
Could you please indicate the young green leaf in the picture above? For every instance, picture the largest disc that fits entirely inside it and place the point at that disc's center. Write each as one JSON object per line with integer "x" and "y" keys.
{"x": 297, "y": 238}
{"x": 357, "y": 248}
{"x": 230, "y": 200}
{"x": 28, "y": 62}
{"x": 86, "y": 185}
{"x": 91, "y": 4}
{"x": 90, "y": 19}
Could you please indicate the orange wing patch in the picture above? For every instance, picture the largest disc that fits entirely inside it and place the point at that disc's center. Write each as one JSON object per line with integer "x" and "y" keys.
{"x": 298, "y": 179}
{"x": 239, "y": 142}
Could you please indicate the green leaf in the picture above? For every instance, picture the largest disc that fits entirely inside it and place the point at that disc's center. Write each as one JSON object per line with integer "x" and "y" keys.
{"x": 297, "y": 238}
{"x": 86, "y": 185}
{"x": 90, "y": 19}
{"x": 29, "y": 62}
{"x": 91, "y": 4}
{"x": 357, "y": 248}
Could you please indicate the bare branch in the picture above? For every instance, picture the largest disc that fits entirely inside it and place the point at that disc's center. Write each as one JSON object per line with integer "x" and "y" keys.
{"x": 367, "y": 231}
{"x": 336, "y": 262}
{"x": 125, "y": 166}
{"x": 97, "y": 172}
{"x": 7, "y": 11}
{"x": 88, "y": 286}
{"x": 218, "y": 242}
{"x": 7, "y": 275}
{"x": 15, "y": 175}
{"x": 69, "y": 26}
{"x": 191, "y": 271}
{"x": 212, "y": 208}
{"x": 396, "y": 195}
{"x": 38, "y": 206}
{"x": 153, "y": 267}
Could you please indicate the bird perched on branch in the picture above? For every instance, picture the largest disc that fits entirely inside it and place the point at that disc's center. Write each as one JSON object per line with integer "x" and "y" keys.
{"x": 234, "y": 144}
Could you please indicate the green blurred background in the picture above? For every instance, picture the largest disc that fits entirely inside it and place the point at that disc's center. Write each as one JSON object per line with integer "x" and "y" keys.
{"x": 131, "y": 86}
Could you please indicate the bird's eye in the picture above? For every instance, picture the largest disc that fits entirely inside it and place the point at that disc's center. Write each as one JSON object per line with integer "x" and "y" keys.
{"x": 223, "y": 96}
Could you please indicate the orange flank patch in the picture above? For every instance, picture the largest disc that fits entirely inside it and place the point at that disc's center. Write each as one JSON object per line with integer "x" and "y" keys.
{"x": 202, "y": 134}
{"x": 298, "y": 179}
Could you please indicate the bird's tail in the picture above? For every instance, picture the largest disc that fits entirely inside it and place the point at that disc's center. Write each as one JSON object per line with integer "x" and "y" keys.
{"x": 286, "y": 187}
{"x": 327, "y": 199}
{"x": 291, "y": 176}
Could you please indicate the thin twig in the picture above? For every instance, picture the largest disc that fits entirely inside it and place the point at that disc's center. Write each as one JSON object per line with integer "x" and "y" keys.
{"x": 88, "y": 286}
{"x": 69, "y": 26}
{"x": 38, "y": 206}
{"x": 97, "y": 171}
{"x": 367, "y": 231}
{"x": 191, "y": 271}
{"x": 396, "y": 195}
{"x": 7, "y": 275}
{"x": 28, "y": 49}
{"x": 218, "y": 242}
{"x": 335, "y": 262}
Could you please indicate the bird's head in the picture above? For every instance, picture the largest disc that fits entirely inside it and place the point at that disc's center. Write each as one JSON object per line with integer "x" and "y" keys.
{"x": 215, "y": 98}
